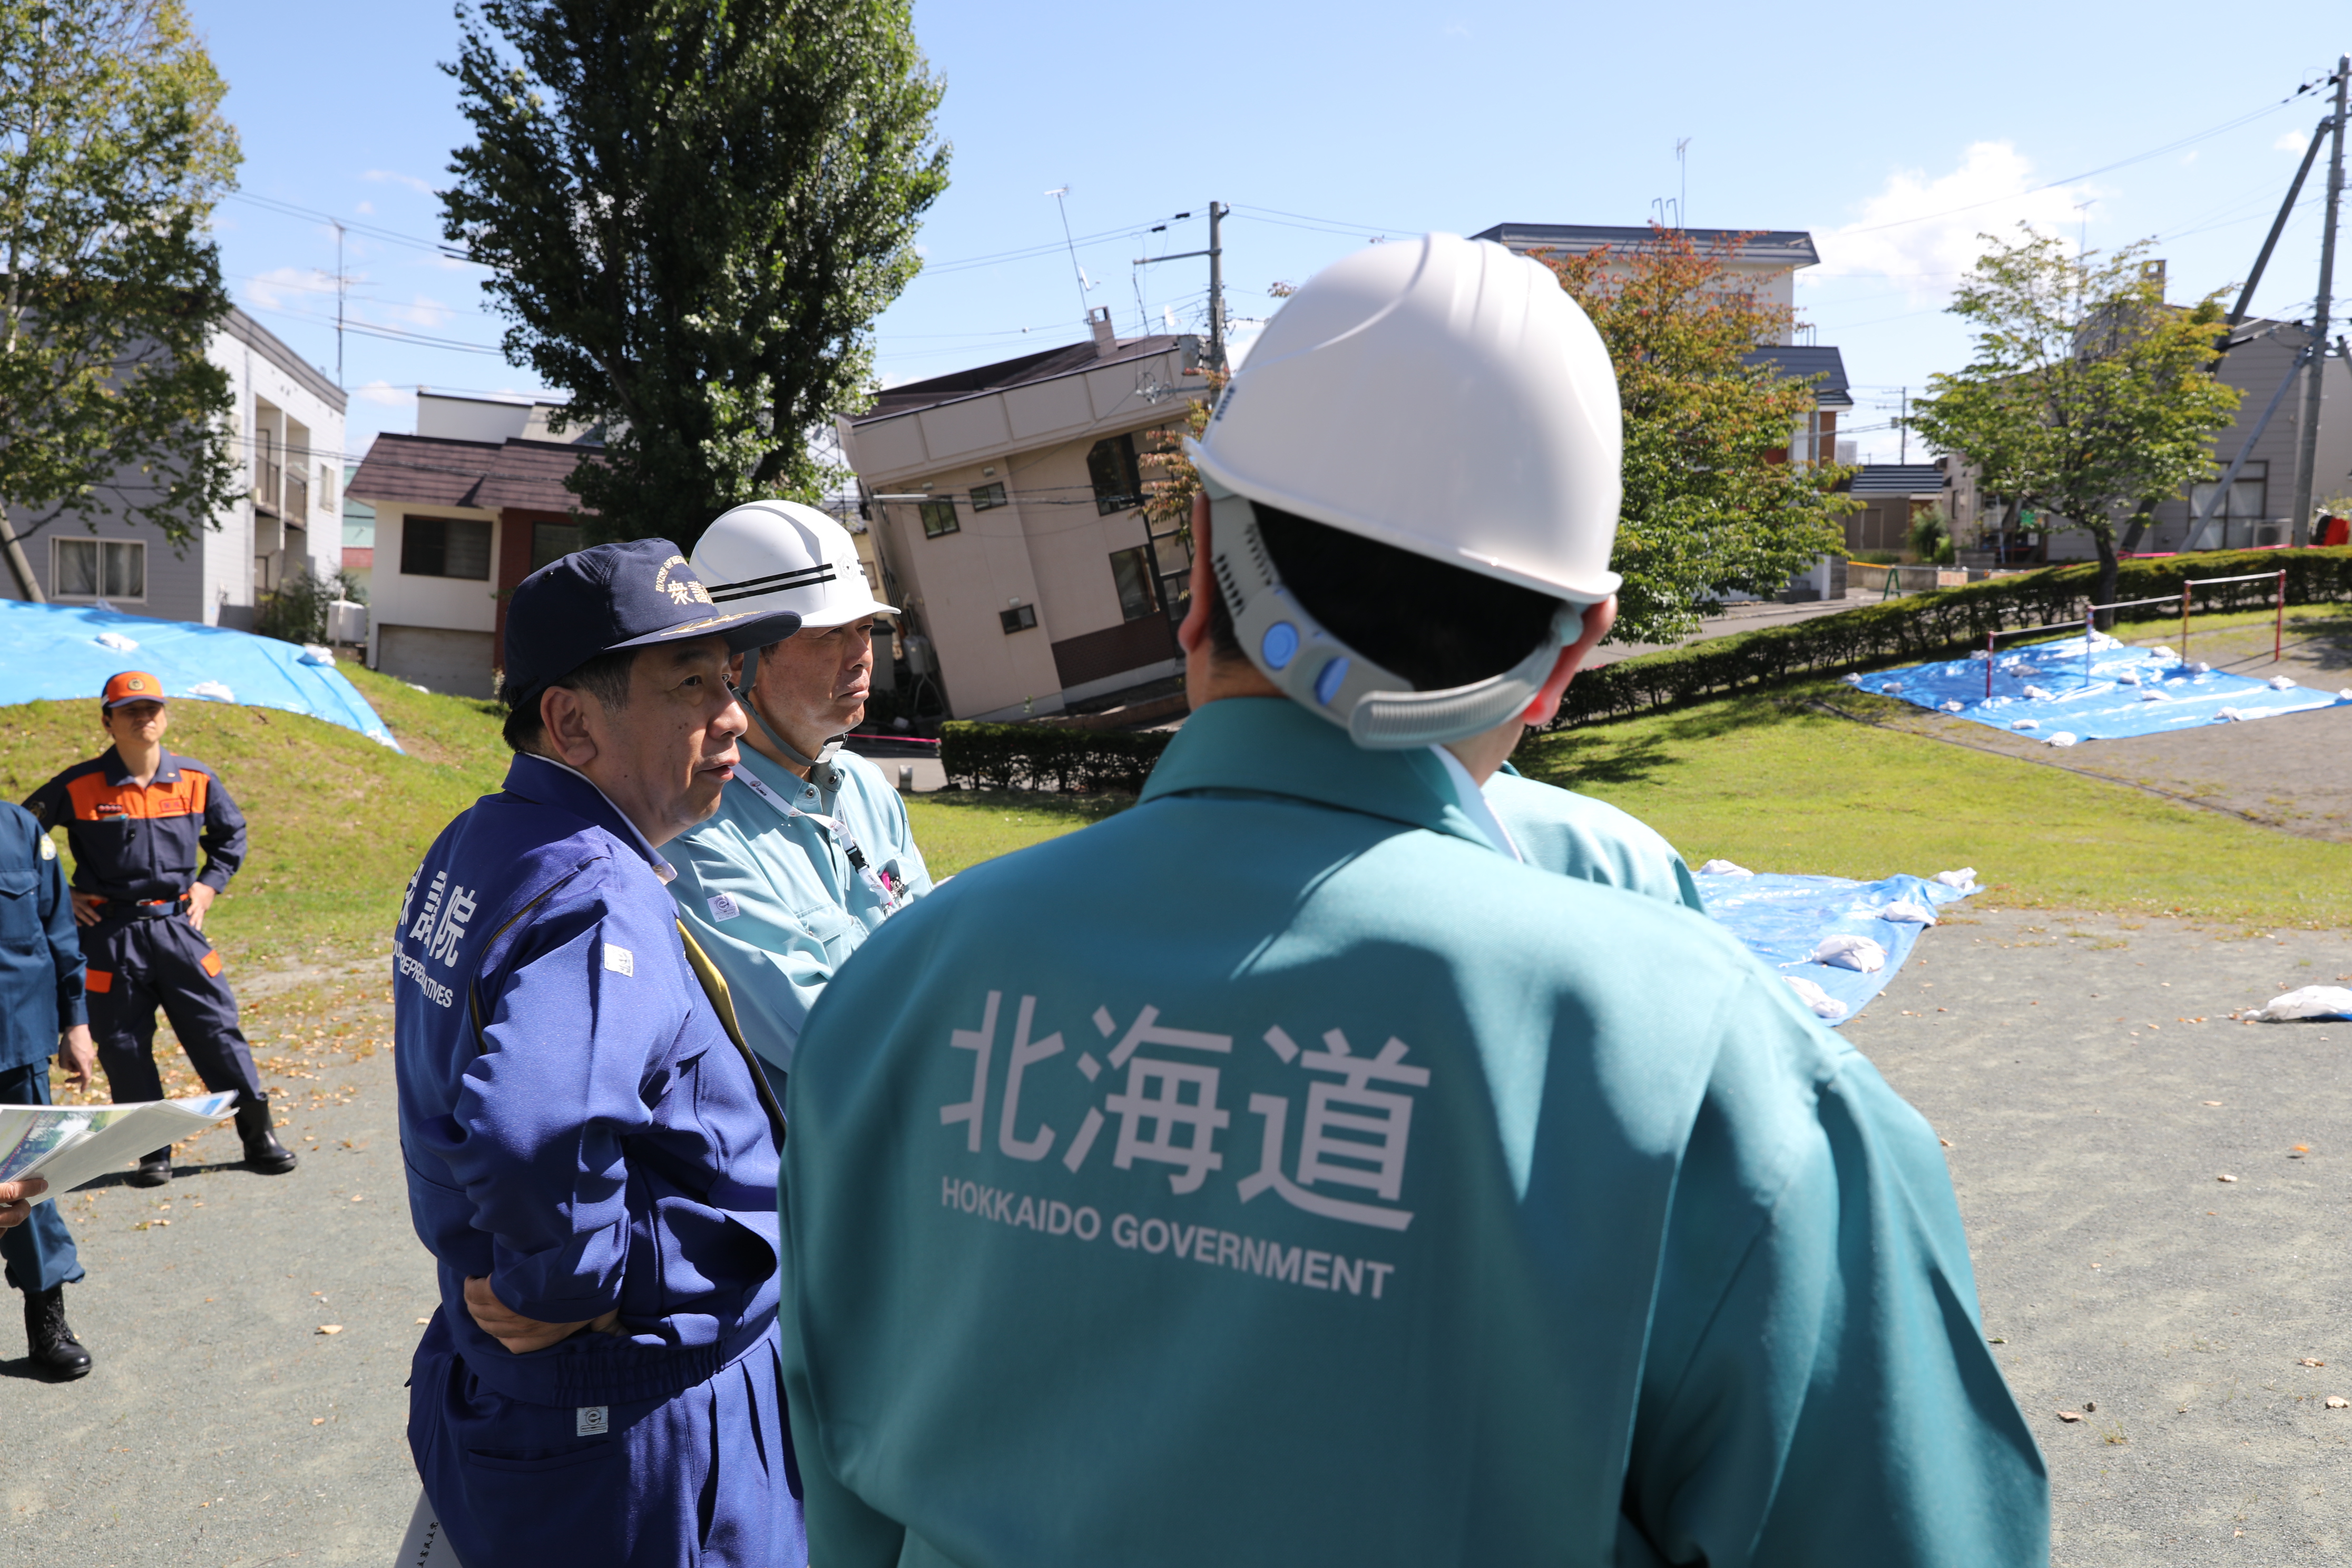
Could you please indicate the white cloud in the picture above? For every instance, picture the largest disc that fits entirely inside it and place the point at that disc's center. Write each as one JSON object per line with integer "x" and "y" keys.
{"x": 2292, "y": 141}
{"x": 366, "y": 207}
{"x": 386, "y": 394}
{"x": 1925, "y": 230}
{"x": 282, "y": 287}
{"x": 388, "y": 176}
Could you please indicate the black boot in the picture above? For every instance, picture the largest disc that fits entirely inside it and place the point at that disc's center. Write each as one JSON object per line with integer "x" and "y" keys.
{"x": 155, "y": 1169}
{"x": 263, "y": 1151}
{"x": 54, "y": 1350}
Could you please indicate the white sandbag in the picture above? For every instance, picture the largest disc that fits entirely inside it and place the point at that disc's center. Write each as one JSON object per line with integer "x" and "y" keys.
{"x": 2200, "y": 668}
{"x": 317, "y": 653}
{"x": 2281, "y": 683}
{"x": 2038, "y": 694}
{"x": 2229, "y": 715}
{"x": 214, "y": 690}
{"x": 2154, "y": 697}
{"x": 1723, "y": 869}
{"x": 1852, "y": 678}
{"x": 116, "y": 641}
{"x": 2307, "y": 1002}
{"x": 1966, "y": 876}
{"x": 1842, "y": 950}
{"x": 1981, "y": 653}
{"x": 1955, "y": 707}
{"x": 1909, "y": 912}
{"x": 1890, "y": 687}
{"x": 2064, "y": 737}
{"x": 2345, "y": 694}
{"x": 2025, "y": 723}
{"x": 2128, "y": 677}
{"x": 1824, "y": 1005}
{"x": 2164, "y": 653}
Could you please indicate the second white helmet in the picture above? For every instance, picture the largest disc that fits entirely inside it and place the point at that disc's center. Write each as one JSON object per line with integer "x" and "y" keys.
{"x": 783, "y": 555}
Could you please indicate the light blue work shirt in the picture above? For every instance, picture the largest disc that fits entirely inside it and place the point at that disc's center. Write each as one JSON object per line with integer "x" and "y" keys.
{"x": 774, "y": 900}
{"x": 1275, "y": 1174}
{"x": 1556, "y": 829}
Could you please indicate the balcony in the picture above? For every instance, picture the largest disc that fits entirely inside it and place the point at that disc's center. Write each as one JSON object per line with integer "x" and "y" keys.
{"x": 268, "y": 481}
{"x": 297, "y": 499}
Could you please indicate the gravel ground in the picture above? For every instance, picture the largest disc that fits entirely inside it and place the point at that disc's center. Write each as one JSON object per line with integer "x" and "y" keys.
{"x": 2057, "y": 1054}
{"x": 2094, "y": 1089}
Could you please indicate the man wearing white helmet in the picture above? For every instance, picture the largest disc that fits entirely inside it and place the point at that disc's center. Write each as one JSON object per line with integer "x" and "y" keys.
{"x": 1283, "y": 1173}
{"x": 810, "y": 848}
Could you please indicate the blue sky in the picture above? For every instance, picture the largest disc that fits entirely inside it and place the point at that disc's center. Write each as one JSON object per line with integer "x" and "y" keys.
{"x": 1894, "y": 135}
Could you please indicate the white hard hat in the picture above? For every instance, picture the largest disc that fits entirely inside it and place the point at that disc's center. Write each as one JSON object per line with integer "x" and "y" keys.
{"x": 782, "y": 555}
{"x": 1442, "y": 396}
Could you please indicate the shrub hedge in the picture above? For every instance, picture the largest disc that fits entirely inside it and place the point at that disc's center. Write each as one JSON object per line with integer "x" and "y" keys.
{"x": 1047, "y": 756}
{"x": 1922, "y": 625}
{"x": 1941, "y": 622}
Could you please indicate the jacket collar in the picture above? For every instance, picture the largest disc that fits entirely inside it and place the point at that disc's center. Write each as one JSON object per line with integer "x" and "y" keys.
{"x": 167, "y": 767}
{"x": 1270, "y": 745}
{"x": 549, "y": 783}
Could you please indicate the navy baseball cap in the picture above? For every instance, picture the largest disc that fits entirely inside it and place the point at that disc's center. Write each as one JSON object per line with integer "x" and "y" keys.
{"x": 612, "y": 596}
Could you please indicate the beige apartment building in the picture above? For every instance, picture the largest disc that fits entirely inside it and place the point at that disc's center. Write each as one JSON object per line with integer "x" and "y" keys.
{"x": 1004, "y": 508}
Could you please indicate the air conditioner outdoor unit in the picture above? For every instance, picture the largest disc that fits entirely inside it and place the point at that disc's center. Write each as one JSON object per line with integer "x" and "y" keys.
{"x": 347, "y": 622}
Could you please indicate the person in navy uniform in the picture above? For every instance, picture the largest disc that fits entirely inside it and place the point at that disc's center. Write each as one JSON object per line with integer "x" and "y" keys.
{"x": 136, "y": 819}
{"x": 591, "y": 1150}
{"x": 41, "y": 1015}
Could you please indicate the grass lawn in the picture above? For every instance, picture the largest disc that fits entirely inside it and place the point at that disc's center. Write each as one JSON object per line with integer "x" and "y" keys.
{"x": 1778, "y": 786}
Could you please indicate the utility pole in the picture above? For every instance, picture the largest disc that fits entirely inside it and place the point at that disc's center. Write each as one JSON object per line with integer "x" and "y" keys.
{"x": 2306, "y": 456}
{"x": 1217, "y": 210}
{"x": 343, "y": 286}
{"x": 1903, "y": 423}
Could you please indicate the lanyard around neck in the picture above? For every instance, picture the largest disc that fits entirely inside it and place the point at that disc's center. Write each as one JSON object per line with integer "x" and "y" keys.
{"x": 875, "y": 882}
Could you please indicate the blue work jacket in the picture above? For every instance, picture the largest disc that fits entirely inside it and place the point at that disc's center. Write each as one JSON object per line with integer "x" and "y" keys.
{"x": 40, "y": 956}
{"x": 576, "y": 1124}
{"x": 135, "y": 842}
{"x": 1277, "y": 1173}
{"x": 773, "y": 899}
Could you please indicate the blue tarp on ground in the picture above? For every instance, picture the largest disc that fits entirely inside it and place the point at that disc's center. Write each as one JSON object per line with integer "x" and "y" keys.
{"x": 53, "y": 653}
{"x": 2046, "y": 690}
{"x": 1782, "y": 919}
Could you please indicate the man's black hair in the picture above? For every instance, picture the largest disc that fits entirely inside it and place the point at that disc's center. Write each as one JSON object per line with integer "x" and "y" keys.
{"x": 1437, "y": 625}
{"x": 605, "y": 678}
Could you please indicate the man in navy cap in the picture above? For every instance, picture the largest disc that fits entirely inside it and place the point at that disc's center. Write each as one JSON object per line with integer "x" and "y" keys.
{"x": 592, "y": 1153}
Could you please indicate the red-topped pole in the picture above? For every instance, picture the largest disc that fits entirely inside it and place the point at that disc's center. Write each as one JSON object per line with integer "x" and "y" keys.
{"x": 2278, "y": 637}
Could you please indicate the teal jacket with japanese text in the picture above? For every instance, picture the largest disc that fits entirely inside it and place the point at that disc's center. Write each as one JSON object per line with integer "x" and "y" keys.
{"x": 1277, "y": 1173}
{"x": 774, "y": 898}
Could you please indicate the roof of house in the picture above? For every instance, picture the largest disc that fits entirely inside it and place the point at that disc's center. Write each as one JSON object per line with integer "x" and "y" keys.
{"x": 1799, "y": 361}
{"x": 270, "y": 346}
{"x": 909, "y": 397}
{"x": 1782, "y": 246}
{"x": 1897, "y": 480}
{"x": 433, "y": 470}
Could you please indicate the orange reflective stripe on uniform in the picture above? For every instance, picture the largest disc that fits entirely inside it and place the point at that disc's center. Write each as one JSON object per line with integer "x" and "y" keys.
{"x": 98, "y": 979}
{"x": 212, "y": 963}
{"x": 96, "y": 800}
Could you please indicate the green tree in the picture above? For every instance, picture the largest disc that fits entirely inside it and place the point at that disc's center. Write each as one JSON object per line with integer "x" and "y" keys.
{"x": 2087, "y": 395}
{"x": 694, "y": 209}
{"x": 112, "y": 152}
{"x": 1711, "y": 505}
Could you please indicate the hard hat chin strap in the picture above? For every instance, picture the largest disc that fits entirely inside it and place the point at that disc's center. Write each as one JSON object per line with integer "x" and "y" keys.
{"x": 1378, "y": 709}
{"x": 792, "y": 754}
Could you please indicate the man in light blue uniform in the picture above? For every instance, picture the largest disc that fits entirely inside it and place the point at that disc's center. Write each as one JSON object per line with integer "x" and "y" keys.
{"x": 810, "y": 850}
{"x": 592, "y": 1158}
{"x": 1279, "y": 1173}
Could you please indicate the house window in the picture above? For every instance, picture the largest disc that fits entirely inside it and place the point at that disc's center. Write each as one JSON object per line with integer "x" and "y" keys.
{"x": 938, "y": 517}
{"x": 325, "y": 488}
{"x": 1118, "y": 481}
{"x": 987, "y": 497}
{"x": 1131, "y": 571}
{"x": 99, "y": 569}
{"x": 1019, "y": 618}
{"x": 551, "y": 541}
{"x": 2232, "y": 522}
{"x": 446, "y": 547}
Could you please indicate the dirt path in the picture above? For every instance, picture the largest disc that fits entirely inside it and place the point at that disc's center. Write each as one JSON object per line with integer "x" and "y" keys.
{"x": 2093, "y": 1090}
